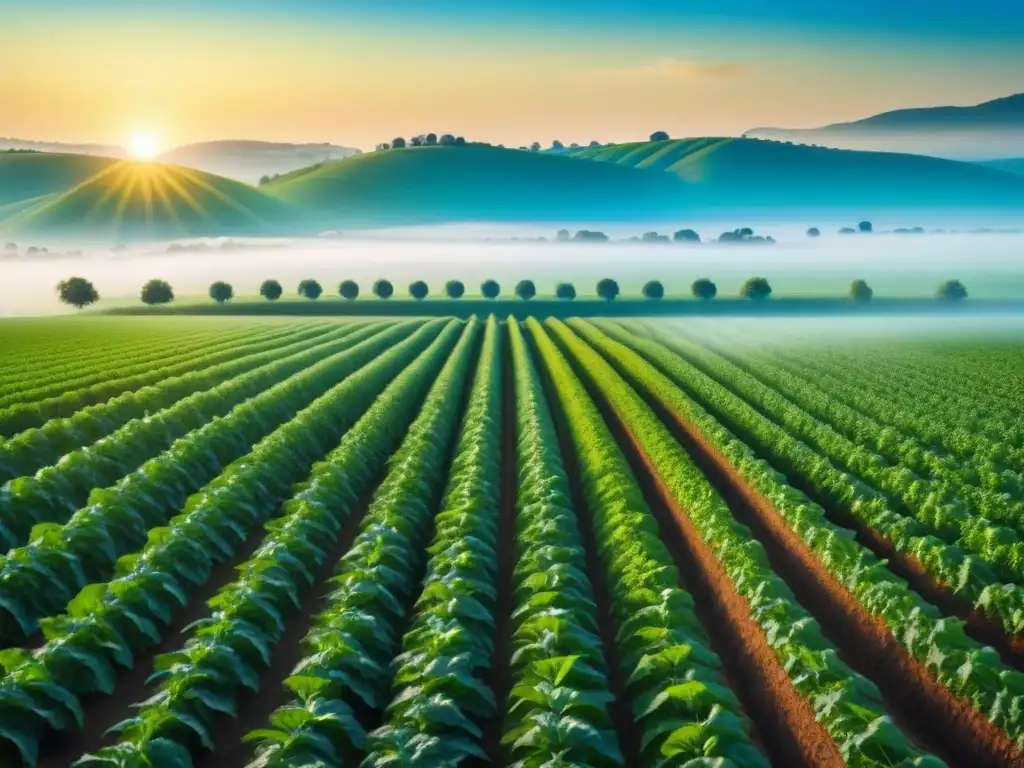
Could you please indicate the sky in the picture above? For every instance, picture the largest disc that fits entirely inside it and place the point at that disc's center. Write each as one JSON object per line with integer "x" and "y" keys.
{"x": 358, "y": 72}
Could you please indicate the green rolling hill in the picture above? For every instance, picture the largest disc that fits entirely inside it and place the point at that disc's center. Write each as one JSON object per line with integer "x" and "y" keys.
{"x": 128, "y": 200}
{"x": 477, "y": 183}
{"x": 1010, "y": 165}
{"x": 751, "y": 173}
{"x": 28, "y": 175}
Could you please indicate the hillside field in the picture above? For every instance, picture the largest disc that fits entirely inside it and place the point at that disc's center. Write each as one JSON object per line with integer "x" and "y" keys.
{"x": 578, "y": 542}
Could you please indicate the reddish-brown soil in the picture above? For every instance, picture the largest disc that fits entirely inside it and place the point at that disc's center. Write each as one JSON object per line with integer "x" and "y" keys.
{"x": 787, "y": 728}
{"x": 621, "y": 708}
{"x": 60, "y": 749}
{"x": 941, "y": 722}
{"x": 255, "y": 708}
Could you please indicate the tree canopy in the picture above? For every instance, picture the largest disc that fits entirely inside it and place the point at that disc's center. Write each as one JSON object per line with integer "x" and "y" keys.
{"x": 454, "y": 289}
{"x": 565, "y": 291}
{"x": 756, "y": 288}
{"x": 952, "y": 290}
{"x": 490, "y": 289}
{"x": 607, "y": 289}
{"x": 704, "y": 289}
{"x": 221, "y": 291}
{"x": 419, "y": 290}
{"x": 157, "y": 292}
{"x": 271, "y": 290}
{"x": 310, "y": 289}
{"x": 654, "y": 290}
{"x": 861, "y": 291}
{"x": 383, "y": 289}
{"x": 526, "y": 290}
{"x": 349, "y": 289}
{"x": 78, "y": 292}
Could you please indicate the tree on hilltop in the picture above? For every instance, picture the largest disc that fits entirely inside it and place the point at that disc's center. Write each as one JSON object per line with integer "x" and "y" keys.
{"x": 157, "y": 292}
{"x": 78, "y": 292}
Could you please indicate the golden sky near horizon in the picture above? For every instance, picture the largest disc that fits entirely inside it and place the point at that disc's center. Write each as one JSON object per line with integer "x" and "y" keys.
{"x": 182, "y": 83}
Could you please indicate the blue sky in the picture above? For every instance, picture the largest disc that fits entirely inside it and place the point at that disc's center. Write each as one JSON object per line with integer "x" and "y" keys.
{"x": 505, "y": 71}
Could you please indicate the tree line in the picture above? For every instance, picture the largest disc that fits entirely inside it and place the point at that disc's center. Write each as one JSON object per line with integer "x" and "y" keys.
{"x": 80, "y": 292}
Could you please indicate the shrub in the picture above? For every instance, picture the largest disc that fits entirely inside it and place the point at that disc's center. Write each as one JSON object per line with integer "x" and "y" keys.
{"x": 78, "y": 292}
{"x": 310, "y": 289}
{"x": 526, "y": 290}
{"x": 756, "y": 288}
{"x": 654, "y": 290}
{"x": 419, "y": 290}
{"x": 704, "y": 289}
{"x": 157, "y": 292}
{"x": 454, "y": 289}
{"x": 659, "y": 136}
{"x": 271, "y": 290}
{"x": 607, "y": 289}
{"x": 490, "y": 289}
{"x": 221, "y": 291}
{"x": 383, "y": 289}
{"x": 349, "y": 289}
{"x": 565, "y": 291}
{"x": 861, "y": 291}
{"x": 952, "y": 290}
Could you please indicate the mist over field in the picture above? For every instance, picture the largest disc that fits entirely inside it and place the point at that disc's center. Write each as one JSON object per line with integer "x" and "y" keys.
{"x": 894, "y": 265}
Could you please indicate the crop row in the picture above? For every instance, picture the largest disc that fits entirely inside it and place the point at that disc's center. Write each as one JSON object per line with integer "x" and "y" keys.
{"x": 681, "y": 704}
{"x": 24, "y": 453}
{"x": 107, "y": 625}
{"x": 40, "y": 577}
{"x": 55, "y": 492}
{"x": 968, "y": 671}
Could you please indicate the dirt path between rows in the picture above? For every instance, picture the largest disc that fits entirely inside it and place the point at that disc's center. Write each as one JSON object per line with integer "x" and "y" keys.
{"x": 60, "y": 749}
{"x": 946, "y": 725}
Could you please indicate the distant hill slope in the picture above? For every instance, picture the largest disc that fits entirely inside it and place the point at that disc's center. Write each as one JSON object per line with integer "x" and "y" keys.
{"x": 127, "y": 200}
{"x": 102, "y": 150}
{"x": 248, "y": 161}
{"x": 760, "y": 174}
{"x": 1010, "y": 165}
{"x": 990, "y": 130}
{"x": 29, "y": 175}
{"x": 478, "y": 182}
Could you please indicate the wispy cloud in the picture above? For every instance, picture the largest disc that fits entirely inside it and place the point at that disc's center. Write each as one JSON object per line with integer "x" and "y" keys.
{"x": 680, "y": 69}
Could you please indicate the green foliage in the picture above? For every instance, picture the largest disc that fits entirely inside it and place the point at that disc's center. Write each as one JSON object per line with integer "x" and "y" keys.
{"x": 607, "y": 289}
{"x": 78, "y": 292}
{"x": 419, "y": 290}
{"x": 526, "y": 290}
{"x": 310, "y": 289}
{"x": 271, "y": 290}
{"x": 383, "y": 289}
{"x": 653, "y": 290}
{"x": 704, "y": 289}
{"x": 565, "y": 291}
{"x": 221, "y": 292}
{"x": 490, "y": 289}
{"x": 157, "y": 292}
{"x": 952, "y": 290}
{"x": 861, "y": 292}
{"x": 756, "y": 288}
{"x": 454, "y": 289}
{"x": 349, "y": 289}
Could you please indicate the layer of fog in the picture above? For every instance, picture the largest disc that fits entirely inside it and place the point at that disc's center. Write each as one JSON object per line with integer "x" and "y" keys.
{"x": 894, "y": 265}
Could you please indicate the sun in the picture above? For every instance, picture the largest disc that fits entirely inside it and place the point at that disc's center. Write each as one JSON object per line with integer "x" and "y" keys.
{"x": 144, "y": 146}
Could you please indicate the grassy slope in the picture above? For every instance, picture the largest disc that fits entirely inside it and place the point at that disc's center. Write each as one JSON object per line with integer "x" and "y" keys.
{"x": 127, "y": 200}
{"x": 475, "y": 182}
{"x": 24, "y": 176}
{"x": 1011, "y": 165}
{"x": 748, "y": 171}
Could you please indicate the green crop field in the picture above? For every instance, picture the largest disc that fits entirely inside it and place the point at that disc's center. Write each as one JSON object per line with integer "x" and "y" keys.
{"x": 287, "y": 542}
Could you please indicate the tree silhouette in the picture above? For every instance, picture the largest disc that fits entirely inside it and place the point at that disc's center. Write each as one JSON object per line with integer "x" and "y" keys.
{"x": 78, "y": 292}
{"x": 398, "y": 143}
{"x": 865, "y": 226}
{"x": 310, "y": 289}
{"x": 271, "y": 290}
{"x": 490, "y": 289}
{"x": 704, "y": 289}
{"x": 659, "y": 136}
{"x": 563, "y": 236}
{"x": 756, "y": 288}
{"x": 686, "y": 236}
{"x": 526, "y": 290}
{"x": 454, "y": 289}
{"x": 535, "y": 147}
{"x": 654, "y": 290}
{"x": 952, "y": 290}
{"x": 565, "y": 291}
{"x": 349, "y": 289}
{"x": 861, "y": 291}
{"x": 607, "y": 289}
{"x": 383, "y": 289}
{"x": 419, "y": 290}
{"x": 157, "y": 292}
{"x": 221, "y": 292}
{"x": 431, "y": 139}
{"x": 814, "y": 232}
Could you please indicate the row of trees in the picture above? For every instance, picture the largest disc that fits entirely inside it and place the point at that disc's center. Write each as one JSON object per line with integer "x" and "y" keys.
{"x": 423, "y": 140}
{"x": 79, "y": 292}
{"x": 864, "y": 228}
